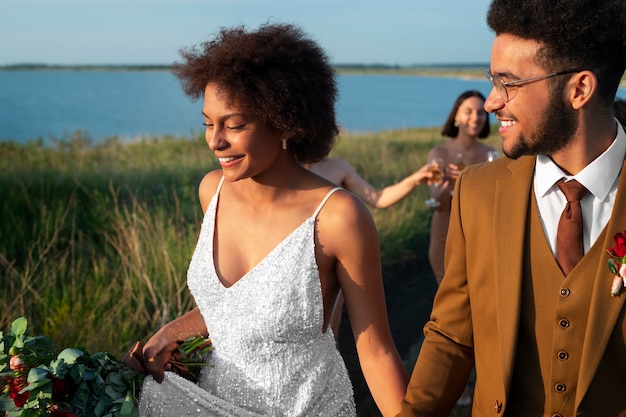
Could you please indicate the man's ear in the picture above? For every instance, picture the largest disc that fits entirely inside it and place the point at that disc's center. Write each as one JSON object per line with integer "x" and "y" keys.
{"x": 582, "y": 87}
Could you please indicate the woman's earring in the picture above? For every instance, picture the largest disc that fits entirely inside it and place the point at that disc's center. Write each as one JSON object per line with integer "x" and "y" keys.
{"x": 456, "y": 124}
{"x": 284, "y": 144}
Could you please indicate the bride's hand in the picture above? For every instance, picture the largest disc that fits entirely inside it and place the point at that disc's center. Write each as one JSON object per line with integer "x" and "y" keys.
{"x": 157, "y": 353}
{"x": 152, "y": 358}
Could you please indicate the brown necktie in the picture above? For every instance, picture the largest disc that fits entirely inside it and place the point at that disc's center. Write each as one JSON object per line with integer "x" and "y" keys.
{"x": 569, "y": 236}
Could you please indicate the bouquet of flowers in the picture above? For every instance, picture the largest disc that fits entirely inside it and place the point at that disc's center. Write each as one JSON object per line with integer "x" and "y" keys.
{"x": 34, "y": 381}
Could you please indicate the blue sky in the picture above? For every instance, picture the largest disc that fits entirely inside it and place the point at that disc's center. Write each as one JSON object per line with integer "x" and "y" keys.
{"x": 394, "y": 32}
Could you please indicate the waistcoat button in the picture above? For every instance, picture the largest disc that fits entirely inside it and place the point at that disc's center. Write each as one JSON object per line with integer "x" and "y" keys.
{"x": 560, "y": 387}
{"x": 564, "y": 323}
{"x": 562, "y": 355}
{"x": 565, "y": 292}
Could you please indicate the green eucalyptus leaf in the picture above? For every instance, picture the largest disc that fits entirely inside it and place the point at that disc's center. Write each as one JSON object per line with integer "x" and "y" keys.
{"x": 70, "y": 355}
{"x": 102, "y": 406}
{"x": 6, "y": 403}
{"x": 18, "y": 344}
{"x": 116, "y": 378}
{"x": 59, "y": 368}
{"x": 113, "y": 393}
{"x": 35, "y": 385}
{"x": 40, "y": 345}
{"x": 76, "y": 372}
{"x": 128, "y": 406}
{"x": 37, "y": 374}
{"x": 81, "y": 397}
{"x": 613, "y": 266}
{"x": 91, "y": 375}
{"x": 18, "y": 327}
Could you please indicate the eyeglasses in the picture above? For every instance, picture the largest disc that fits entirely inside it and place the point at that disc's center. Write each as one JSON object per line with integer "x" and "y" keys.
{"x": 504, "y": 89}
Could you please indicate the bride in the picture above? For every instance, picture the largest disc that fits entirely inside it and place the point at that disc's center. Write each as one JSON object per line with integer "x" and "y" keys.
{"x": 277, "y": 245}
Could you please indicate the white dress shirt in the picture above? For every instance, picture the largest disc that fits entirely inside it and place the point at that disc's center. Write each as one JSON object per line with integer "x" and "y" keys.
{"x": 600, "y": 177}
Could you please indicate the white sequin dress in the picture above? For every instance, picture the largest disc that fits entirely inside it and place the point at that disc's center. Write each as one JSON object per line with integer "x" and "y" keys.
{"x": 270, "y": 356}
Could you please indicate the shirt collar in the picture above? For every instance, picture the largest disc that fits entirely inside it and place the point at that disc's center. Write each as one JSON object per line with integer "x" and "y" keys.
{"x": 597, "y": 177}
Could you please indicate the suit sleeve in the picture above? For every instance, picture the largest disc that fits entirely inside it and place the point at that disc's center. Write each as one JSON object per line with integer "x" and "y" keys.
{"x": 446, "y": 357}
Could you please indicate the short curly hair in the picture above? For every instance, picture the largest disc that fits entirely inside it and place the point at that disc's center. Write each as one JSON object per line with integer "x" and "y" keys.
{"x": 450, "y": 130}
{"x": 275, "y": 72}
{"x": 575, "y": 34}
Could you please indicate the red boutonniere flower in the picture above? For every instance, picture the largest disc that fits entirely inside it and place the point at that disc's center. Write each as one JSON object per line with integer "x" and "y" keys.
{"x": 617, "y": 263}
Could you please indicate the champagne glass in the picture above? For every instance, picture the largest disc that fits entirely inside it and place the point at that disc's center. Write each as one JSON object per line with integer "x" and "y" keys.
{"x": 436, "y": 168}
{"x": 460, "y": 161}
{"x": 492, "y": 155}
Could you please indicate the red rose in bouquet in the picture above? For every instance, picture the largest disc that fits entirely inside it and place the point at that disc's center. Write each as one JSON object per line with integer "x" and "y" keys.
{"x": 15, "y": 386}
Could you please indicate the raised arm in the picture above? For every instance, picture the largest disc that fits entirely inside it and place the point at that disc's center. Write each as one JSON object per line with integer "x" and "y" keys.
{"x": 388, "y": 196}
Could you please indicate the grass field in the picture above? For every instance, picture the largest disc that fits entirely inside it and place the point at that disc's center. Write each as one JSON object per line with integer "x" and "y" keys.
{"x": 96, "y": 238}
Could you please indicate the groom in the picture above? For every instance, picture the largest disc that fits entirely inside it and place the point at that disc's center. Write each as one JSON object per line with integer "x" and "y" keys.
{"x": 526, "y": 296}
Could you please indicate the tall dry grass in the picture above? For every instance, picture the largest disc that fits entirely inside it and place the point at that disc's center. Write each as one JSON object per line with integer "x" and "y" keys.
{"x": 95, "y": 239}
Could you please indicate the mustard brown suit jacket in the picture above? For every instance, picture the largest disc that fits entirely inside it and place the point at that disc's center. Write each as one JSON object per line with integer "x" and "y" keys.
{"x": 476, "y": 312}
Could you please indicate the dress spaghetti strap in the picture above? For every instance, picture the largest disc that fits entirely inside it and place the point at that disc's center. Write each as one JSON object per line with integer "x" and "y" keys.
{"x": 219, "y": 185}
{"x": 331, "y": 192}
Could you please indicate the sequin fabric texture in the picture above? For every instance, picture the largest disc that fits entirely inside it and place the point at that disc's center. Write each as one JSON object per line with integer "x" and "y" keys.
{"x": 270, "y": 357}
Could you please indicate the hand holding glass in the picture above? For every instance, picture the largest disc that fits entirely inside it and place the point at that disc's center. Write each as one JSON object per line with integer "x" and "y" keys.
{"x": 437, "y": 170}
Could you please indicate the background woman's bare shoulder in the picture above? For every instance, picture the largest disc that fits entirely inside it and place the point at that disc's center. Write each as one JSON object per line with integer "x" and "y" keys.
{"x": 208, "y": 187}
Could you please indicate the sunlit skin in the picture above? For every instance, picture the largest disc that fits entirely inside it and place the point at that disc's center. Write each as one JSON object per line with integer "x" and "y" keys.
{"x": 266, "y": 195}
{"x": 470, "y": 119}
{"x": 565, "y": 127}
{"x": 233, "y": 136}
{"x": 340, "y": 172}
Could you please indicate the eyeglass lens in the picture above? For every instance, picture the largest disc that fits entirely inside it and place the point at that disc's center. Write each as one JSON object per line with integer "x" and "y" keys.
{"x": 498, "y": 83}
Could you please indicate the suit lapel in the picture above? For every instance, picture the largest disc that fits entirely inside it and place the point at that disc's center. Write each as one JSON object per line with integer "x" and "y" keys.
{"x": 604, "y": 309}
{"x": 510, "y": 217}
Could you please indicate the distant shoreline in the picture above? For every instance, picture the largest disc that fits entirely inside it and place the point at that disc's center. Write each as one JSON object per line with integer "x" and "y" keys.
{"x": 462, "y": 71}
{"x": 471, "y": 71}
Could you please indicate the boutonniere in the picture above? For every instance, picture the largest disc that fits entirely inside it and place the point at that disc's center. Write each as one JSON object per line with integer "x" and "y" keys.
{"x": 617, "y": 263}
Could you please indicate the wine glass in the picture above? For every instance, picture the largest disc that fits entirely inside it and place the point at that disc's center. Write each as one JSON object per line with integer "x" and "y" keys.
{"x": 460, "y": 161}
{"x": 436, "y": 168}
{"x": 492, "y": 155}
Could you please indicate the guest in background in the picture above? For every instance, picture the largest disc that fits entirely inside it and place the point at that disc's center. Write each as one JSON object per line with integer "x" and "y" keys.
{"x": 467, "y": 122}
{"x": 342, "y": 173}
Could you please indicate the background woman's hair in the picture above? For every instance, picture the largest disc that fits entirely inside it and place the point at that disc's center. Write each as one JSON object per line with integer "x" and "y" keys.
{"x": 450, "y": 130}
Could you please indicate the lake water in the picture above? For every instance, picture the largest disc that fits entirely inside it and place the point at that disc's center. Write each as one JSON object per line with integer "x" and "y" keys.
{"x": 44, "y": 104}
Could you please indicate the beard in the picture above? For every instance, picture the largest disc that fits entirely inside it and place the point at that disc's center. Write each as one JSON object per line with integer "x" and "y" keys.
{"x": 556, "y": 130}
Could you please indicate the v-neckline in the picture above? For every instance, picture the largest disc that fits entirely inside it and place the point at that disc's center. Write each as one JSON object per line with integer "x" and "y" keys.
{"x": 220, "y": 279}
